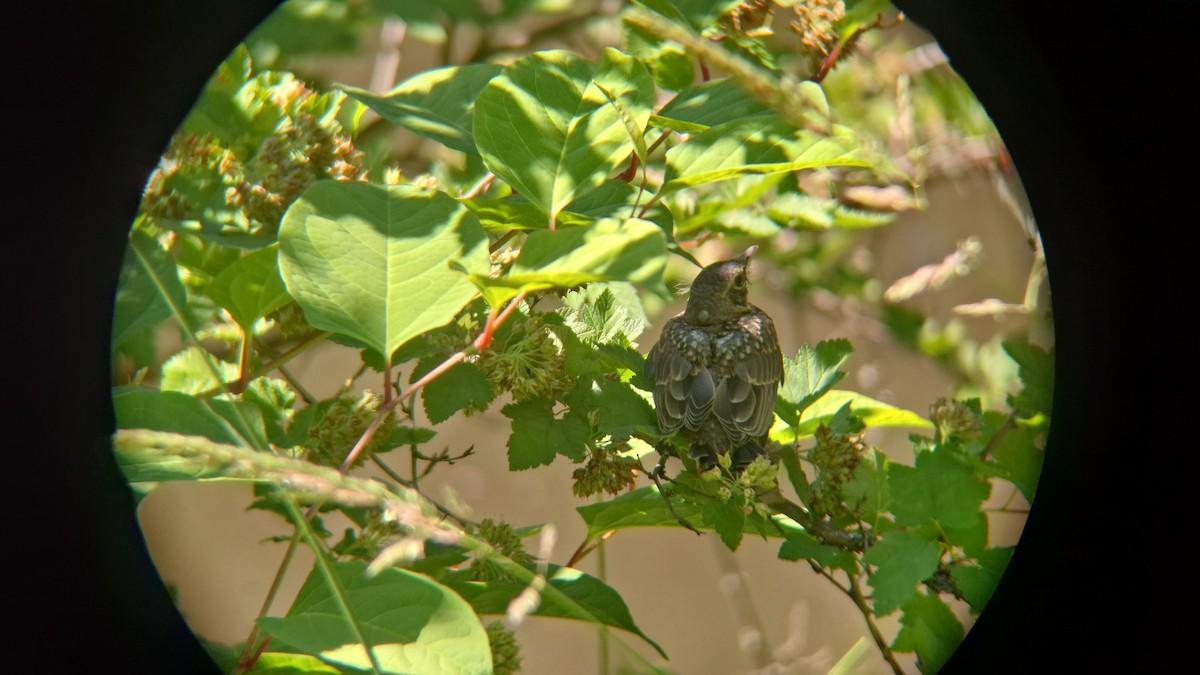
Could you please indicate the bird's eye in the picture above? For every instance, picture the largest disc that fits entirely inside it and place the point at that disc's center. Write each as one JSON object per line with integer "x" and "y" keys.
{"x": 739, "y": 281}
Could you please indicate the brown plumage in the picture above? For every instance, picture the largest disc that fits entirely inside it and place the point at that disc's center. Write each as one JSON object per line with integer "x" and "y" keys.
{"x": 717, "y": 367}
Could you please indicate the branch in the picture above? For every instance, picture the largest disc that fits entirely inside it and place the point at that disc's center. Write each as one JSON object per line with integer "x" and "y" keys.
{"x": 821, "y": 529}
{"x": 856, "y": 595}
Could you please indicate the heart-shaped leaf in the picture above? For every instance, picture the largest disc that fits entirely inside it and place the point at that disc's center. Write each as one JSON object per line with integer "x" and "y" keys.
{"x": 554, "y": 126}
{"x": 411, "y": 623}
{"x": 251, "y": 287}
{"x": 372, "y": 262}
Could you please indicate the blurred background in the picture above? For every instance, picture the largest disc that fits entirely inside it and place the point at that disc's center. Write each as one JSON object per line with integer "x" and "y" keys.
{"x": 925, "y": 300}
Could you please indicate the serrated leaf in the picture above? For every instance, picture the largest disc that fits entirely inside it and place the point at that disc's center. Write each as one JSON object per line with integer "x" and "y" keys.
{"x": 644, "y": 507}
{"x": 939, "y": 488}
{"x": 809, "y": 376}
{"x": 463, "y": 386}
{"x": 605, "y": 312}
{"x": 583, "y": 597}
{"x": 548, "y": 125}
{"x": 1036, "y": 370}
{"x": 412, "y": 623}
{"x": 761, "y": 145}
{"x": 929, "y": 628}
{"x": 619, "y": 410}
{"x": 251, "y": 287}
{"x": 436, "y": 104}
{"x": 538, "y": 436}
{"x": 978, "y": 582}
{"x": 727, "y": 519}
{"x": 1017, "y": 459}
{"x": 372, "y": 261}
{"x": 609, "y": 250}
{"x": 902, "y": 560}
{"x": 868, "y": 488}
{"x": 148, "y": 288}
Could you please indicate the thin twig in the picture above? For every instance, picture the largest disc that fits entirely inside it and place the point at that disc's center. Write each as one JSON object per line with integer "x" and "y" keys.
{"x": 462, "y": 521}
{"x": 856, "y": 594}
{"x": 290, "y": 354}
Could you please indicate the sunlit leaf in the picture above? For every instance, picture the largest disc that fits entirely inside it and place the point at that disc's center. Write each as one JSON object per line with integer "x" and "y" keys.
{"x": 551, "y": 124}
{"x": 437, "y": 104}
{"x": 251, "y": 287}
{"x": 372, "y": 261}
{"x": 412, "y": 623}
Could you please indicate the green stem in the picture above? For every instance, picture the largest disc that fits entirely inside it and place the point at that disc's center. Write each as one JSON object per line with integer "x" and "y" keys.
{"x": 249, "y": 657}
{"x": 322, "y": 562}
{"x": 860, "y": 601}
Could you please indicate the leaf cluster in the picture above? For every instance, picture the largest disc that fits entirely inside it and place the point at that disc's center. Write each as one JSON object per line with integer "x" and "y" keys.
{"x": 514, "y": 275}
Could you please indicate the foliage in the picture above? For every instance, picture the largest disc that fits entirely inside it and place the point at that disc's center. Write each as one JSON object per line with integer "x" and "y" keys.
{"x": 516, "y": 275}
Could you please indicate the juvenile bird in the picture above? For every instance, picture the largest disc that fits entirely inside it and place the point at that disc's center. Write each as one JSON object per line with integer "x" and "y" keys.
{"x": 717, "y": 368}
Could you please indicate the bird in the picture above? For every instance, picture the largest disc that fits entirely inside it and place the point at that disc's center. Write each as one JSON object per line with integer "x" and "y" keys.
{"x": 717, "y": 368}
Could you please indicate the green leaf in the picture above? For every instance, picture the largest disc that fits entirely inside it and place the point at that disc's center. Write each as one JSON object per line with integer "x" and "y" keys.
{"x": 412, "y": 623}
{"x": 538, "y": 436}
{"x": 551, "y": 124}
{"x": 1036, "y": 370}
{"x": 978, "y": 582}
{"x": 668, "y": 61}
{"x": 403, "y": 436}
{"x": 463, "y": 386}
{"x": 306, "y": 28}
{"x": 868, "y": 487}
{"x": 902, "y": 560}
{"x": 644, "y": 507}
{"x": 251, "y": 287}
{"x": 371, "y": 261}
{"x": 191, "y": 371}
{"x": 605, "y": 313}
{"x": 610, "y": 250}
{"x": 275, "y": 399}
{"x": 800, "y": 545}
{"x": 579, "y": 596}
{"x": 698, "y": 14}
{"x": 727, "y": 519}
{"x": 809, "y": 376}
{"x": 437, "y": 104}
{"x": 618, "y": 410}
{"x": 800, "y": 210}
{"x": 929, "y": 628}
{"x": 760, "y": 145}
{"x": 941, "y": 487}
{"x": 148, "y": 289}
{"x": 1018, "y": 459}
{"x": 278, "y": 663}
{"x": 873, "y": 414}
{"x": 708, "y": 104}
{"x": 218, "y": 421}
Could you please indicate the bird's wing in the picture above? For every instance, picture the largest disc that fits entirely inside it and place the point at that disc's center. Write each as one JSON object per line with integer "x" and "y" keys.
{"x": 744, "y": 401}
{"x": 684, "y": 386}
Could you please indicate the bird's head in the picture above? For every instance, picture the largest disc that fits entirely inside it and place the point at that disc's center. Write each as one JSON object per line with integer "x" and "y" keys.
{"x": 719, "y": 292}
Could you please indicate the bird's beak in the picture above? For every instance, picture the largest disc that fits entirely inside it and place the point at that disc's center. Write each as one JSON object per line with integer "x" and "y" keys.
{"x": 745, "y": 257}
